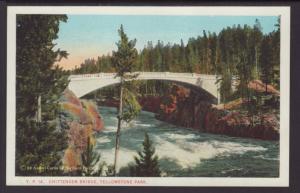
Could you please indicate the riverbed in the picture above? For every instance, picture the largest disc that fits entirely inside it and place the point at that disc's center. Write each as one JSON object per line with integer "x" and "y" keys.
{"x": 187, "y": 152}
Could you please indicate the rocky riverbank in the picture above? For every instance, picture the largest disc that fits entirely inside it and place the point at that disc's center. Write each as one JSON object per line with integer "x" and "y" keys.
{"x": 185, "y": 108}
{"x": 81, "y": 119}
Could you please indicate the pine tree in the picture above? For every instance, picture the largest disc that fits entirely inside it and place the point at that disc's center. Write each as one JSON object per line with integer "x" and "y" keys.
{"x": 213, "y": 52}
{"x": 38, "y": 88}
{"x": 182, "y": 56}
{"x": 276, "y": 54}
{"x": 167, "y": 53}
{"x": 266, "y": 61}
{"x": 38, "y": 148}
{"x": 191, "y": 56}
{"x": 146, "y": 165}
{"x": 257, "y": 33}
{"x": 128, "y": 107}
{"x": 89, "y": 159}
{"x": 234, "y": 52}
{"x": 225, "y": 82}
{"x": 158, "y": 56}
{"x": 245, "y": 63}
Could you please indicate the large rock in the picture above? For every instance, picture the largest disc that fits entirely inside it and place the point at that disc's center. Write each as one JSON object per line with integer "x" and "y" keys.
{"x": 81, "y": 119}
{"x": 190, "y": 110}
{"x": 259, "y": 86}
{"x": 241, "y": 125}
{"x": 150, "y": 103}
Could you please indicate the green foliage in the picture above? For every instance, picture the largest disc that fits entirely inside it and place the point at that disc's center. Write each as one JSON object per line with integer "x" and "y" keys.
{"x": 146, "y": 165}
{"x": 270, "y": 58}
{"x": 256, "y": 38}
{"x": 89, "y": 159}
{"x": 38, "y": 144}
{"x": 35, "y": 60}
{"x": 237, "y": 51}
{"x": 124, "y": 58}
{"x": 237, "y": 54}
{"x": 266, "y": 56}
{"x": 123, "y": 62}
{"x": 225, "y": 83}
{"x": 131, "y": 106}
{"x": 110, "y": 170}
{"x": 276, "y": 55}
{"x": 38, "y": 147}
{"x": 91, "y": 65}
{"x": 203, "y": 54}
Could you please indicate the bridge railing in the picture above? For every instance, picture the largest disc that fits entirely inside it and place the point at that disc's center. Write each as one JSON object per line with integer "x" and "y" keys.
{"x": 147, "y": 74}
{"x": 92, "y": 75}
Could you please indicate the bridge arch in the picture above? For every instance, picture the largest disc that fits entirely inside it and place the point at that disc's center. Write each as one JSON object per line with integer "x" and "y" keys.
{"x": 81, "y": 85}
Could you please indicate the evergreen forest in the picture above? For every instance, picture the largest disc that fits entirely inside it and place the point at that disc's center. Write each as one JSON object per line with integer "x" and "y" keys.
{"x": 237, "y": 52}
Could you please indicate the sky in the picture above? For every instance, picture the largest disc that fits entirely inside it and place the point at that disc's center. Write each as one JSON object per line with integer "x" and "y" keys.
{"x": 90, "y": 36}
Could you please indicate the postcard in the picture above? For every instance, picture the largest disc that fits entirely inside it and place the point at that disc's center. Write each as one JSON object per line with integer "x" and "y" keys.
{"x": 148, "y": 96}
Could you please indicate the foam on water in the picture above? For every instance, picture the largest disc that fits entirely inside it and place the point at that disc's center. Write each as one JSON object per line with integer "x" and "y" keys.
{"x": 186, "y": 148}
{"x": 115, "y": 119}
{"x": 266, "y": 158}
{"x": 144, "y": 125}
{"x": 125, "y": 156}
{"x": 103, "y": 139}
{"x": 189, "y": 154}
{"x": 134, "y": 123}
{"x": 180, "y": 136}
{"x": 109, "y": 129}
{"x": 125, "y": 127}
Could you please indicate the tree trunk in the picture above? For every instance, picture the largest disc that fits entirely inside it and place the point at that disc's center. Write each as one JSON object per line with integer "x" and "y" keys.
{"x": 120, "y": 111}
{"x": 39, "y": 110}
{"x": 146, "y": 87}
{"x": 256, "y": 62}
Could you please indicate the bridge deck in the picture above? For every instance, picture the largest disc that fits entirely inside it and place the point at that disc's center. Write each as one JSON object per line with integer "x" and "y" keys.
{"x": 146, "y": 74}
{"x": 86, "y": 83}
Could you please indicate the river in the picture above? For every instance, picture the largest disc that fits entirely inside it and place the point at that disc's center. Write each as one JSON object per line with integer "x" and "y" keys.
{"x": 186, "y": 152}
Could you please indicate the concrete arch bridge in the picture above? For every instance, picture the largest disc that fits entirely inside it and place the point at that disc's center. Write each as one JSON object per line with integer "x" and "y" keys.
{"x": 83, "y": 84}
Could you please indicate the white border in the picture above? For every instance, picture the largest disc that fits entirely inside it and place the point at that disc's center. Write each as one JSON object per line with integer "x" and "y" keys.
{"x": 282, "y": 181}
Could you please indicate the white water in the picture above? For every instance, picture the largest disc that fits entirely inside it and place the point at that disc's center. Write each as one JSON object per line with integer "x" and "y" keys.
{"x": 181, "y": 150}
